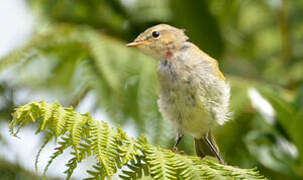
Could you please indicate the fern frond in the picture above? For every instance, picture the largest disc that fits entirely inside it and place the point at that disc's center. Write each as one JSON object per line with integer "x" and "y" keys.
{"x": 75, "y": 126}
{"x": 162, "y": 165}
{"x": 128, "y": 150}
{"x": 46, "y": 114}
{"x": 24, "y": 115}
{"x": 61, "y": 116}
{"x": 138, "y": 168}
{"x": 95, "y": 174}
{"x": 187, "y": 168}
{"x": 84, "y": 152}
{"x": 104, "y": 146}
{"x": 114, "y": 149}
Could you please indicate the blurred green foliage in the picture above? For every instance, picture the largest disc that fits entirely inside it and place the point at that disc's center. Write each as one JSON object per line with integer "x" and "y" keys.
{"x": 78, "y": 48}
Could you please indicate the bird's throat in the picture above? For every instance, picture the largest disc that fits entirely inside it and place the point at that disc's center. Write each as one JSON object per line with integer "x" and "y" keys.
{"x": 168, "y": 55}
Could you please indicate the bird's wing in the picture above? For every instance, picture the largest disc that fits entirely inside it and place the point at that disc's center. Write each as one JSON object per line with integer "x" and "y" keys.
{"x": 211, "y": 90}
{"x": 214, "y": 64}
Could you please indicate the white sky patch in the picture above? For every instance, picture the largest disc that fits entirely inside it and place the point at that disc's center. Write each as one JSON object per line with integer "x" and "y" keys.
{"x": 288, "y": 147}
{"x": 87, "y": 103}
{"x": 15, "y": 24}
{"x": 262, "y": 106}
{"x": 274, "y": 3}
{"x": 128, "y": 3}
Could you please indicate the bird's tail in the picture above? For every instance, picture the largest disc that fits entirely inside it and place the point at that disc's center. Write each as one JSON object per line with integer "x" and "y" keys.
{"x": 207, "y": 146}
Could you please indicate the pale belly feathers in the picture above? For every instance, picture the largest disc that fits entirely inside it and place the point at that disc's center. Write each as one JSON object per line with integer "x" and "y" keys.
{"x": 179, "y": 103}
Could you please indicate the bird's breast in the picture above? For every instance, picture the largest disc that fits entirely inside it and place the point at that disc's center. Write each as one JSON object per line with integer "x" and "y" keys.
{"x": 176, "y": 83}
{"x": 178, "y": 101}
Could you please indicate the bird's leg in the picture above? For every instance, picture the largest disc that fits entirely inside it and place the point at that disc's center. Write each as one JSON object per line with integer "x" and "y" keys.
{"x": 178, "y": 140}
{"x": 214, "y": 149}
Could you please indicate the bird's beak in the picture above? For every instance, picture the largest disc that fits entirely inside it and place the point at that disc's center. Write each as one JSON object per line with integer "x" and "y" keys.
{"x": 138, "y": 43}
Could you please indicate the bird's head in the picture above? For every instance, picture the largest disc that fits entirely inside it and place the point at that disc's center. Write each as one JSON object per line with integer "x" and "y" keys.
{"x": 160, "y": 41}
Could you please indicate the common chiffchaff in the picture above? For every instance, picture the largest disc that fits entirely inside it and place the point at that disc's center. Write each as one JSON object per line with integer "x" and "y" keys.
{"x": 193, "y": 93}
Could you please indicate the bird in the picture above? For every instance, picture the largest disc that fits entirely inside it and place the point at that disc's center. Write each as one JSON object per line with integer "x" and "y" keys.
{"x": 193, "y": 93}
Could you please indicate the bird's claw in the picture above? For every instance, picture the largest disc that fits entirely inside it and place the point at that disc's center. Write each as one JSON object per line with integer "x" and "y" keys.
{"x": 175, "y": 150}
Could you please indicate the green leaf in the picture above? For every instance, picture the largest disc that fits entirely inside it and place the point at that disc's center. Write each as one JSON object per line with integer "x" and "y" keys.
{"x": 297, "y": 133}
{"x": 200, "y": 25}
{"x": 284, "y": 111}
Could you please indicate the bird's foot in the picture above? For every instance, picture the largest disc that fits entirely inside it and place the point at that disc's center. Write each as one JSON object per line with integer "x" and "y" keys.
{"x": 175, "y": 150}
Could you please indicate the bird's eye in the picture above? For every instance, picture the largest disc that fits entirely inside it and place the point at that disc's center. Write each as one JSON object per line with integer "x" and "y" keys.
{"x": 156, "y": 34}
